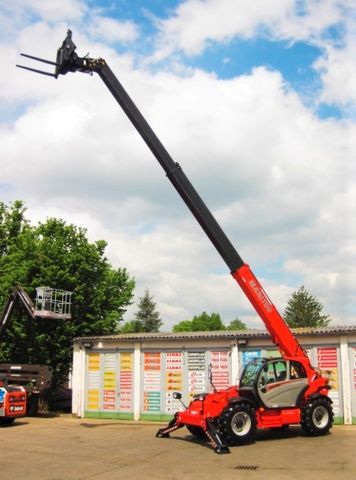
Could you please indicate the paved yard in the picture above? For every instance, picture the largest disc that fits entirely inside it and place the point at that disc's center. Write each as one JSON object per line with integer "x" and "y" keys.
{"x": 66, "y": 448}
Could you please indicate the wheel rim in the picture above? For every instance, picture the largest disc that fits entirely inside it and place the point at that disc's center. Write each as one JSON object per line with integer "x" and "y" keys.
{"x": 241, "y": 423}
{"x": 320, "y": 417}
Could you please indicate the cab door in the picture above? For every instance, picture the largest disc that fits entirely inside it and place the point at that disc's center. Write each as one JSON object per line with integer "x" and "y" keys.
{"x": 280, "y": 383}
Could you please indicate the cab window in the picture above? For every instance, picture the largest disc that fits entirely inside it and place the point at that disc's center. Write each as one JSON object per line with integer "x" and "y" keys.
{"x": 250, "y": 372}
{"x": 297, "y": 370}
{"x": 281, "y": 371}
{"x": 274, "y": 372}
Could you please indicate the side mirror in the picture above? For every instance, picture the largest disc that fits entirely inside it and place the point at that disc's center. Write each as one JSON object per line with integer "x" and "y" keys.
{"x": 177, "y": 395}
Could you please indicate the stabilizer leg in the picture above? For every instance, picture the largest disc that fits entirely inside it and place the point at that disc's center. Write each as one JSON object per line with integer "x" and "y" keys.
{"x": 219, "y": 446}
{"x": 173, "y": 425}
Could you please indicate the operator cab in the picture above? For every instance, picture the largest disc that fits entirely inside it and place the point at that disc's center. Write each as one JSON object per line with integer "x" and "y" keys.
{"x": 274, "y": 383}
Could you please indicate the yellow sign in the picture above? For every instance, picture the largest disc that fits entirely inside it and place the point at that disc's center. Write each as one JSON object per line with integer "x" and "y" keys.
{"x": 125, "y": 361}
{"x": 93, "y": 361}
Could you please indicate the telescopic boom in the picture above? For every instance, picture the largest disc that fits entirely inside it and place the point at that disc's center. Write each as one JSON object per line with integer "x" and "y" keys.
{"x": 68, "y": 61}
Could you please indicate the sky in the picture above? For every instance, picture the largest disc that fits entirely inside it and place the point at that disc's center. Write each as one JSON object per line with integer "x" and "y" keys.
{"x": 255, "y": 100}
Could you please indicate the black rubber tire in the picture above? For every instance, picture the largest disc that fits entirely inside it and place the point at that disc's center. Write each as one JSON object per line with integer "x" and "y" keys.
{"x": 6, "y": 420}
{"x": 237, "y": 424}
{"x": 197, "y": 432}
{"x": 317, "y": 417}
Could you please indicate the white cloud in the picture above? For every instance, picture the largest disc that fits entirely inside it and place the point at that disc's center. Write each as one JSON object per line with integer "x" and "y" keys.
{"x": 338, "y": 72}
{"x": 51, "y": 11}
{"x": 280, "y": 181}
{"x": 112, "y": 30}
{"x": 196, "y": 22}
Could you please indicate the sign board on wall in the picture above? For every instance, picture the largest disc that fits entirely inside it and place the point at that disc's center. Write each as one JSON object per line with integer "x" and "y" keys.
{"x": 126, "y": 382}
{"x": 220, "y": 369}
{"x": 185, "y": 372}
{"x": 109, "y": 382}
{"x": 152, "y": 382}
{"x": 173, "y": 381}
{"x": 196, "y": 373}
{"x": 109, "y": 400}
{"x": 248, "y": 355}
{"x": 327, "y": 362}
{"x": 93, "y": 382}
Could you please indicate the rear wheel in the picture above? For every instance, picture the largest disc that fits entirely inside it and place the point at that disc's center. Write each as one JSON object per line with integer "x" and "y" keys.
{"x": 317, "y": 417}
{"x": 237, "y": 424}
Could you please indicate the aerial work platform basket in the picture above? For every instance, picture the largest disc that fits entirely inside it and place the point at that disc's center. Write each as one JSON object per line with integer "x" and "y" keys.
{"x": 53, "y": 303}
{"x": 50, "y": 303}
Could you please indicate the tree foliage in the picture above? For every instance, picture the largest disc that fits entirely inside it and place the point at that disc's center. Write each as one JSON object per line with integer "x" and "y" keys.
{"x": 12, "y": 222}
{"x": 204, "y": 322}
{"x": 236, "y": 324}
{"x": 304, "y": 310}
{"x": 147, "y": 318}
{"x": 58, "y": 255}
{"x": 132, "y": 326}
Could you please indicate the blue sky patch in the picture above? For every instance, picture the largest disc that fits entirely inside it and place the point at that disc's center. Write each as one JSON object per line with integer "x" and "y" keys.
{"x": 241, "y": 56}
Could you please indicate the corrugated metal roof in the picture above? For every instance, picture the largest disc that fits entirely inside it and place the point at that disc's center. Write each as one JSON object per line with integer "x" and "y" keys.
{"x": 317, "y": 331}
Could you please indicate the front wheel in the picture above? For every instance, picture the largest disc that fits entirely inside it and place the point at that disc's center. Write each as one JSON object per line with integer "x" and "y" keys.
{"x": 237, "y": 424}
{"x": 317, "y": 417}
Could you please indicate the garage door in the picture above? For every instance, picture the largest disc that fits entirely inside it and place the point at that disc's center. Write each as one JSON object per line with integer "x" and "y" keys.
{"x": 109, "y": 385}
{"x": 186, "y": 372}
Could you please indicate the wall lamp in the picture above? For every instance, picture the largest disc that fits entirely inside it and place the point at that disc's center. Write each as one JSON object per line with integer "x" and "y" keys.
{"x": 241, "y": 341}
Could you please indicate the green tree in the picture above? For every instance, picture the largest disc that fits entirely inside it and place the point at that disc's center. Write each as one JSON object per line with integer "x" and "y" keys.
{"x": 204, "y": 322}
{"x": 12, "y": 222}
{"x": 183, "y": 326}
{"x": 147, "y": 318}
{"x": 58, "y": 255}
{"x": 132, "y": 326}
{"x": 304, "y": 310}
{"x": 236, "y": 324}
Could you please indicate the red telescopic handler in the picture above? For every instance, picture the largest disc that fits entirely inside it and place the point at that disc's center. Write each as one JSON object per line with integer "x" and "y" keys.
{"x": 272, "y": 393}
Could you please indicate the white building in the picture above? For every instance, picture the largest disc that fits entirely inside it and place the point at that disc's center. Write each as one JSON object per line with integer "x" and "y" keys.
{"x": 133, "y": 376}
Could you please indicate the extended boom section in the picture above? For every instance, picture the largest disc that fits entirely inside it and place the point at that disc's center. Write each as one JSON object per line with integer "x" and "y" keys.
{"x": 68, "y": 61}
{"x": 272, "y": 393}
{"x": 276, "y": 326}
